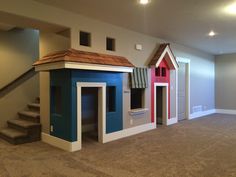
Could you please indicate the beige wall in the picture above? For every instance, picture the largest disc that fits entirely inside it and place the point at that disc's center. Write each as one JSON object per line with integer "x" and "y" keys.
{"x": 225, "y": 81}
{"x": 202, "y": 77}
{"x": 18, "y": 51}
{"x": 49, "y": 42}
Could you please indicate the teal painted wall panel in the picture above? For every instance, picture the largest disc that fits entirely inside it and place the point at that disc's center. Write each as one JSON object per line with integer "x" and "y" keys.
{"x": 65, "y": 124}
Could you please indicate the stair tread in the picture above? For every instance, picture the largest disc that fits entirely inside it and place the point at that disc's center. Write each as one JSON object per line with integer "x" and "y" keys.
{"x": 23, "y": 123}
{"x": 30, "y": 114}
{"x": 34, "y": 105}
{"x": 12, "y": 133}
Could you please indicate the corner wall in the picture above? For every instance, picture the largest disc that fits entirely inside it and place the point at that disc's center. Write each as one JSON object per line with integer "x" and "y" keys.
{"x": 49, "y": 42}
{"x": 225, "y": 66}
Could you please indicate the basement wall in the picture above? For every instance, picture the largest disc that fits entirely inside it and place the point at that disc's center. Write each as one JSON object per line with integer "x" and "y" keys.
{"x": 225, "y": 66}
{"x": 202, "y": 64}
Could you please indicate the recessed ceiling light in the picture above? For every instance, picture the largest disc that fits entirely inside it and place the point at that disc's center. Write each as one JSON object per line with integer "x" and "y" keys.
{"x": 144, "y": 2}
{"x": 231, "y": 9}
{"x": 212, "y": 33}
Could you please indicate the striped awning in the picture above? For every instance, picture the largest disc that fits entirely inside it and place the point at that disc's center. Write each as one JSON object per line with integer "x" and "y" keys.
{"x": 139, "y": 78}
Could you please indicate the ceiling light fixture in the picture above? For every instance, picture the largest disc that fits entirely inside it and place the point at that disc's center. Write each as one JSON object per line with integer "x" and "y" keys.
{"x": 212, "y": 33}
{"x": 231, "y": 9}
{"x": 144, "y": 2}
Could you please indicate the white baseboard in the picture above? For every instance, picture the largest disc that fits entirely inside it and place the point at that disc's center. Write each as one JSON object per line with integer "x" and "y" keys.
{"x": 128, "y": 132}
{"x": 226, "y": 111}
{"x": 201, "y": 114}
{"x": 75, "y": 146}
{"x": 171, "y": 121}
{"x": 60, "y": 143}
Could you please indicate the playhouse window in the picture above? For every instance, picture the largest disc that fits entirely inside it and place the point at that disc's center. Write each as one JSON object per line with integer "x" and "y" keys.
{"x": 111, "y": 99}
{"x": 110, "y": 44}
{"x": 137, "y": 98}
{"x": 85, "y": 38}
{"x": 56, "y": 98}
{"x": 158, "y": 72}
{"x": 163, "y": 72}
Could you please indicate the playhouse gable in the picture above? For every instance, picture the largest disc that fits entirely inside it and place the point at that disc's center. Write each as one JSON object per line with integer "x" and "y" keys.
{"x": 164, "y": 52}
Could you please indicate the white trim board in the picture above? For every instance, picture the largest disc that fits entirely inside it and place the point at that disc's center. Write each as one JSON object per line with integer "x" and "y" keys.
{"x": 101, "y": 109}
{"x": 172, "y": 120}
{"x": 202, "y": 113}
{"x": 226, "y": 111}
{"x": 128, "y": 132}
{"x": 83, "y": 66}
{"x": 60, "y": 143}
{"x": 187, "y": 79}
{"x": 75, "y": 146}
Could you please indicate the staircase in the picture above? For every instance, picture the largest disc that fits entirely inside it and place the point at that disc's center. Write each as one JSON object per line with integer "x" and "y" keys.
{"x": 26, "y": 128}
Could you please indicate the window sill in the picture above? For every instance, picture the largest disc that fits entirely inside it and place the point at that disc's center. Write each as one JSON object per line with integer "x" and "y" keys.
{"x": 134, "y": 112}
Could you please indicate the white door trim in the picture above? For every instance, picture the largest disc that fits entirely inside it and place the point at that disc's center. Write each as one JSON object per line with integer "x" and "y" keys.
{"x": 165, "y": 94}
{"x": 101, "y": 109}
{"x": 187, "y": 79}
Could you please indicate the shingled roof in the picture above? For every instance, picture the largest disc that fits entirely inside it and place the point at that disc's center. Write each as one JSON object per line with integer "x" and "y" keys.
{"x": 76, "y": 56}
{"x": 164, "y": 51}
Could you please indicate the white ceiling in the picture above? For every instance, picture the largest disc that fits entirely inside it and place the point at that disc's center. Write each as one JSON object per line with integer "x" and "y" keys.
{"x": 186, "y": 22}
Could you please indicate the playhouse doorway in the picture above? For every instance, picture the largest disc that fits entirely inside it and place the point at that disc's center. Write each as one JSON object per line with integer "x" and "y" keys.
{"x": 91, "y": 111}
{"x": 161, "y": 103}
{"x": 89, "y": 104}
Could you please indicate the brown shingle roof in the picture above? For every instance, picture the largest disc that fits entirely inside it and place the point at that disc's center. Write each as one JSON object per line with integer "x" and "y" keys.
{"x": 72, "y": 55}
{"x": 159, "y": 53}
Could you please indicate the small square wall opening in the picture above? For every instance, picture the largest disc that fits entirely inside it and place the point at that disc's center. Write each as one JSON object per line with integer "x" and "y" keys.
{"x": 163, "y": 72}
{"x": 110, "y": 44}
{"x": 56, "y": 100}
{"x": 85, "y": 38}
{"x": 158, "y": 72}
{"x": 111, "y": 98}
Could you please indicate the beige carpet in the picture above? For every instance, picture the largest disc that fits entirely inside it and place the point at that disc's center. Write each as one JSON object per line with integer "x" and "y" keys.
{"x": 204, "y": 147}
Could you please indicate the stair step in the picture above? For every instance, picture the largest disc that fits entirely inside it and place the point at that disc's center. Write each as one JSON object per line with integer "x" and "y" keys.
{"x": 13, "y": 133}
{"x": 34, "y": 106}
{"x": 23, "y": 125}
{"x": 14, "y": 136}
{"x": 30, "y": 116}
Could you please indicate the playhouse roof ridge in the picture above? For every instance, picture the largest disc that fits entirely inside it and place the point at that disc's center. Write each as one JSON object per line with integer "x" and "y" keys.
{"x": 78, "y": 56}
{"x": 164, "y": 51}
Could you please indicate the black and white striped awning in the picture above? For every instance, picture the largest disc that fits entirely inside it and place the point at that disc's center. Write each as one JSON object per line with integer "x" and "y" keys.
{"x": 139, "y": 78}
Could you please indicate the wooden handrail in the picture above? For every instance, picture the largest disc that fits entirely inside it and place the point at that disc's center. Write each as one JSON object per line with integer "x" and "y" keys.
{"x": 16, "y": 82}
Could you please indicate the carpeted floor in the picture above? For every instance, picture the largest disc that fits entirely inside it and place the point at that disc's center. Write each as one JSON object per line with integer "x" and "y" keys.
{"x": 204, "y": 147}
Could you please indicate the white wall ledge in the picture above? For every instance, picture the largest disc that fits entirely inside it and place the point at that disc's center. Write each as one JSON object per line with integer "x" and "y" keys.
{"x": 134, "y": 112}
